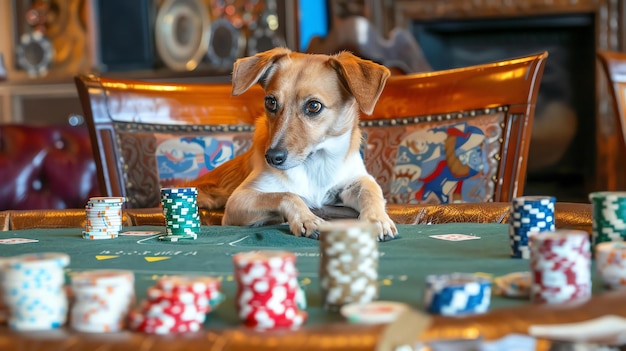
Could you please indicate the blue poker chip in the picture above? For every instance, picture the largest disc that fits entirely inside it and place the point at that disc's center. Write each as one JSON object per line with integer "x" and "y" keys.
{"x": 529, "y": 214}
{"x": 457, "y": 294}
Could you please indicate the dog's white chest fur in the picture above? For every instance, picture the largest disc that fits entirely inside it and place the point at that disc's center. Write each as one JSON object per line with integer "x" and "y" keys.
{"x": 318, "y": 180}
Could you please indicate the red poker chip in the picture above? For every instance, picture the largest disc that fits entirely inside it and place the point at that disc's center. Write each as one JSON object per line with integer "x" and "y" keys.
{"x": 155, "y": 293}
{"x": 262, "y": 269}
{"x": 201, "y": 302}
{"x": 270, "y": 278}
{"x": 267, "y": 279}
{"x": 199, "y": 285}
{"x": 161, "y": 324}
{"x": 552, "y": 253}
{"x": 268, "y": 319}
{"x": 262, "y": 299}
{"x": 247, "y": 262}
{"x": 262, "y": 285}
{"x": 176, "y": 304}
{"x": 179, "y": 311}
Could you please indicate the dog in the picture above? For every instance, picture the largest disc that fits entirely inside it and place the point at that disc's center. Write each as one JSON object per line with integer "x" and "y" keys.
{"x": 305, "y": 151}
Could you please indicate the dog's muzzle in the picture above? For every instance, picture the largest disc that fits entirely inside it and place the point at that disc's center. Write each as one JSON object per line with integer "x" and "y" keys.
{"x": 276, "y": 157}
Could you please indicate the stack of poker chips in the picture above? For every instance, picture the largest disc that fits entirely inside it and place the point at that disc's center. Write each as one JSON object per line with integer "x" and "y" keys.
{"x": 457, "y": 294}
{"x": 32, "y": 288}
{"x": 529, "y": 214}
{"x": 349, "y": 263}
{"x": 102, "y": 299}
{"x": 176, "y": 304}
{"x": 267, "y": 290}
{"x": 180, "y": 208}
{"x": 104, "y": 218}
{"x": 611, "y": 263}
{"x": 560, "y": 264}
{"x": 609, "y": 216}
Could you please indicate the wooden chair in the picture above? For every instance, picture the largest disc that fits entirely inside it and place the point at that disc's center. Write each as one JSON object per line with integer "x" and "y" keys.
{"x": 456, "y": 135}
{"x": 614, "y": 66}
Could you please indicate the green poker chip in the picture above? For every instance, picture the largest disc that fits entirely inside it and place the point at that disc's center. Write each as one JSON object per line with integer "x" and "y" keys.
{"x": 178, "y": 237}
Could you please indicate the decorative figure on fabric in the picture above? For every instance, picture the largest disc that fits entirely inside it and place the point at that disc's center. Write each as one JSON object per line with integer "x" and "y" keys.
{"x": 191, "y": 157}
{"x": 419, "y": 153}
{"x": 437, "y": 165}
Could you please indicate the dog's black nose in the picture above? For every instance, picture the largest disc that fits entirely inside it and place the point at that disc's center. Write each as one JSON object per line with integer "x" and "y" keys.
{"x": 276, "y": 157}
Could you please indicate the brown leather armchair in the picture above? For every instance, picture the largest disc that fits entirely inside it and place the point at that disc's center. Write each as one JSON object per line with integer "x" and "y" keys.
{"x": 45, "y": 167}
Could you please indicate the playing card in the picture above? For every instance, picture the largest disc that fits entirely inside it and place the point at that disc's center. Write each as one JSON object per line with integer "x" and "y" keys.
{"x": 14, "y": 241}
{"x": 455, "y": 237}
{"x": 139, "y": 233}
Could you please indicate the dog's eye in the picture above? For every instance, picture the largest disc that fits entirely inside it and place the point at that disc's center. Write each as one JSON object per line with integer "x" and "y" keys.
{"x": 313, "y": 107}
{"x": 271, "y": 104}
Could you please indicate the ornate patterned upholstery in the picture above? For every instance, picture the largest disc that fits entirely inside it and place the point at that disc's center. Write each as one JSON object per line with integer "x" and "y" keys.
{"x": 178, "y": 155}
{"x": 458, "y": 135}
{"x": 437, "y": 159}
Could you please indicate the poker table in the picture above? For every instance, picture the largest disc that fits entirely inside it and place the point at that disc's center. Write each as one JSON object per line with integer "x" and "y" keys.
{"x": 403, "y": 265}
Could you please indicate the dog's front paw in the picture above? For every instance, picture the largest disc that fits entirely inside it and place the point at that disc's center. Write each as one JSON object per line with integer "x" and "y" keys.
{"x": 384, "y": 225}
{"x": 210, "y": 200}
{"x": 306, "y": 226}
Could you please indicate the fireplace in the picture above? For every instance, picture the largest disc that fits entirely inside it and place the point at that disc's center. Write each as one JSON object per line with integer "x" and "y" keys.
{"x": 562, "y": 144}
{"x": 574, "y": 147}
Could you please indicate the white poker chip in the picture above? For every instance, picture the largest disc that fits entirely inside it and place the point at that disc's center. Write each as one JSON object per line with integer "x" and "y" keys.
{"x": 376, "y": 312}
{"x": 107, "y": 199}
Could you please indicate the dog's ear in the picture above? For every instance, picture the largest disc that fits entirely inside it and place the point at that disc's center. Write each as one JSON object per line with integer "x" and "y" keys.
{"x": 248, "y": 71}
{"x": 364, "y": 79}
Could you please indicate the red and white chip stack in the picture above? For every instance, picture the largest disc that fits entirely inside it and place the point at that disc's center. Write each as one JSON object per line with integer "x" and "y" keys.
{"x": 268, "y": 290}
{"x": 611, "y": 263}
{"x": 176, "y": 304}
{"x": 102, "y": 299}
{"x": 349, "y": 263}
{"x": 560, "y": 265}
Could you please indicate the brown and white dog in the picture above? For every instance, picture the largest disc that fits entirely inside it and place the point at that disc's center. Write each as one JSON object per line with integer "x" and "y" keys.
{"x": 305, "y": 149}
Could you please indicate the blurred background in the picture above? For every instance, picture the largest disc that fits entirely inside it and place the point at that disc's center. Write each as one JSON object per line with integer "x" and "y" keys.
{"x": 575, "y": 145}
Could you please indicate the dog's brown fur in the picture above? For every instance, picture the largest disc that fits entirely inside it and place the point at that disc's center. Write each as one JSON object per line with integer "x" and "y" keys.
{"x": 305, "y": 149}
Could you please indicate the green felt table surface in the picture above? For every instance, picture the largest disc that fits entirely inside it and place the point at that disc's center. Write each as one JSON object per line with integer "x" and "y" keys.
{"x": 403, "y": 265}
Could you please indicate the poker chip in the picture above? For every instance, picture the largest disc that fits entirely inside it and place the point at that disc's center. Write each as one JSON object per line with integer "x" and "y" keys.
{"x": 516, "y": 284}
{"x": 103, "y": 218}
{"x": 608, "y": 216}
{"x": 349, "y": 263}
{"x": 102, "y": 299}
{"x": 376, "y": 312}
{"x": 94, "y": 201}
{"x": 560, "y": 264}
{"x": 529, "y": 214}
{"x": 610, "y": 259}
{"x": 268, "y": 290}
{"x": 182, "y": 219}
{"x": 32, "y": 289}
{"x": 457, "y": 294}
{"x": 176, "y": 304}
{"x": 176, "y": 237}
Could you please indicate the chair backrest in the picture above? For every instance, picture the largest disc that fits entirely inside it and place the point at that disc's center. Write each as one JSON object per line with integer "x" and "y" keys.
{"x": 614, "y": 68}
{"x": 436, "y": 137}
